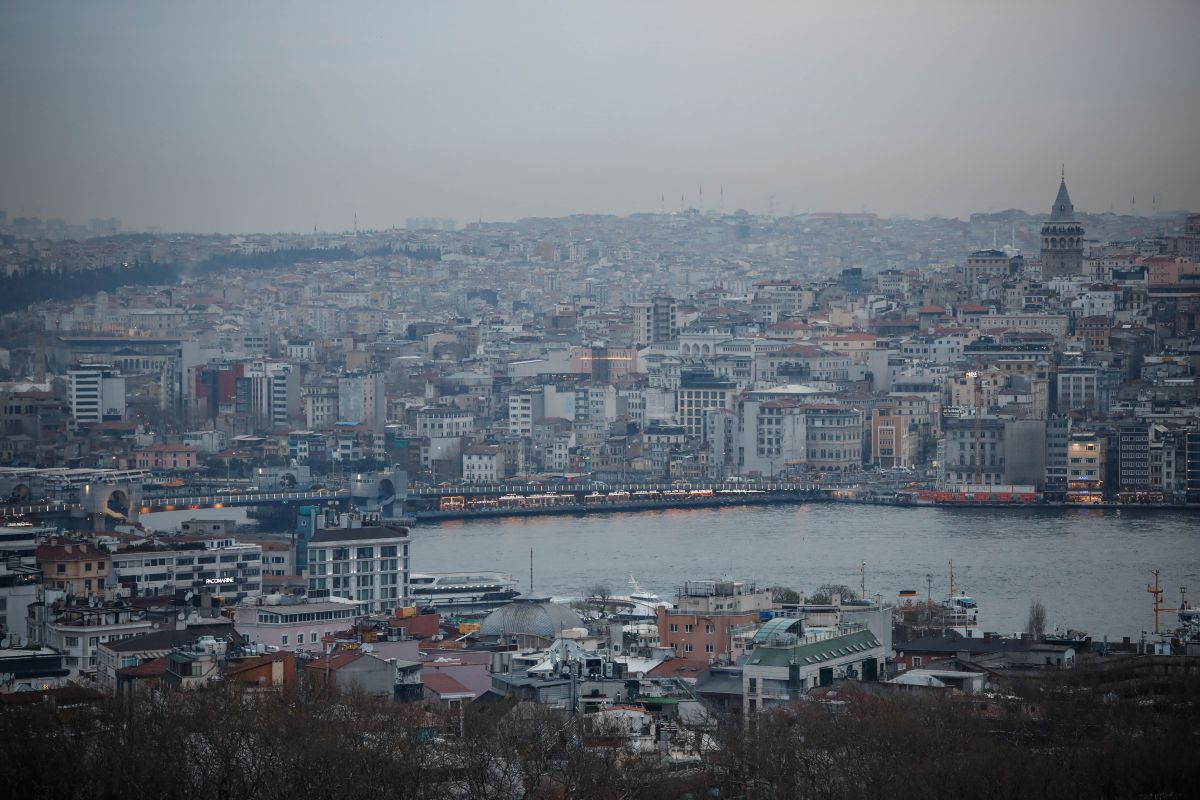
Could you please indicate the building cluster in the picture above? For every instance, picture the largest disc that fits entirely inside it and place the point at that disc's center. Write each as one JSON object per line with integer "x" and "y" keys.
{"x": 688, "y": 346}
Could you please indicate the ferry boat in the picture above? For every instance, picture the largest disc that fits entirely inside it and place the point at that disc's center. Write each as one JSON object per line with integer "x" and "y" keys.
{"x": 462, "y": 592}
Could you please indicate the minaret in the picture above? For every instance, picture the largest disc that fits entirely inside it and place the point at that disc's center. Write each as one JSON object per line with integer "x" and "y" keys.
{"x": 1062, "y": 237}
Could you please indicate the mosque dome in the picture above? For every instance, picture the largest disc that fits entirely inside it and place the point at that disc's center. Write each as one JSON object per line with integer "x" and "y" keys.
{"x": 530, "y": 616}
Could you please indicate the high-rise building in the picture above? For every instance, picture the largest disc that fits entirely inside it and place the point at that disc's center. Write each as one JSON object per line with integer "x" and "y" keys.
{"x": 368, "y": 565}
{"x": 1062, "y": 238}
{"x": 655, "y": 321}
{"x": 361, "y": 399}
{"x": 699, "y": 391}
{"x": 97, "y": 394}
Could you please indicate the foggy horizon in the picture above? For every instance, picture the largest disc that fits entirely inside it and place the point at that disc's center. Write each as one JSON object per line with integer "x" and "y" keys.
{"x": 272, "y": 119}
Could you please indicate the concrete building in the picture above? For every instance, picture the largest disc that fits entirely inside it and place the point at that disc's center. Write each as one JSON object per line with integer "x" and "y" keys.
{"x": 20, "y": 586}
{"x": 217, "y": 566}
{"x": 362, "y": 400}
{"x": 1087, "y": 386}
{"x": 78, "y": 631}
{"x": 699, "y": 392}
{"x": 701, "y": 624}
{"x": 784, "y": 666}
{"x": 834, "y": 437}
{"x": 96, "y": 394}
{"x": 655, "y": 321}
{"x": 771, "y": 436}
{"x": 293, "y": 624}
{"x": 368, "y": 565}
{"x": 1087, "y": 463}
{"x": 483, "y": 463}
{"x": 77, "y": 569}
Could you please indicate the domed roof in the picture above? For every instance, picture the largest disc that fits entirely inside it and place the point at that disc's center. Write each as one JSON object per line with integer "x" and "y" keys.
{"x": 530, "y": 616}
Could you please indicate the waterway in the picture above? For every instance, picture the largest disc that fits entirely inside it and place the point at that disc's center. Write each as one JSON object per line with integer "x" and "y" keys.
{"x": 1089, "y": 567}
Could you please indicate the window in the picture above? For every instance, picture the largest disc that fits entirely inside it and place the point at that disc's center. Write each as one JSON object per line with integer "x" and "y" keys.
{"x": 708, "y": 648}
{"x": 917, "y": 661}
{"x": 674, "y": 628}
{"x": 299, "y": 638}
{"x": 687, "y": 647}
{"x": 687, "y": 628}
{"x": 710, "y": 628}
{"x": 283, "y": 640}
{"x": 753, "y": 686}
{"x": 71, "y": 641}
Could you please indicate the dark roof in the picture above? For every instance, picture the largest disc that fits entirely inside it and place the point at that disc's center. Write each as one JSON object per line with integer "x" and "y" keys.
{"x": 168, "y": 639}
{"x": 973, "y": 646}
{"x": 355, "y": 534}
{"x": 1063, "y": 210}
{"x": 720, "y": 682}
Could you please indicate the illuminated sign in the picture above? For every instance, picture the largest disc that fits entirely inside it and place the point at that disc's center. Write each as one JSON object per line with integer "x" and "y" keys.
{"x": 211, "y": 581}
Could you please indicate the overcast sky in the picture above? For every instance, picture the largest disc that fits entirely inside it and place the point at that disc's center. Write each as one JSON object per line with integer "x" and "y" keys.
{"x": 233, "y": 116}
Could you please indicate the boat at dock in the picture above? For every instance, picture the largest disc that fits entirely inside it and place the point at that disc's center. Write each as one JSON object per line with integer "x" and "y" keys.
{"x": 456, "y": 593}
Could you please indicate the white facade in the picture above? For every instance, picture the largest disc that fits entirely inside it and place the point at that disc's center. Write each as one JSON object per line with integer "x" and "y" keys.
{"x": 221, "y": 566}
{"x": 97, "y": 394}
{"x": 367, "y": 565}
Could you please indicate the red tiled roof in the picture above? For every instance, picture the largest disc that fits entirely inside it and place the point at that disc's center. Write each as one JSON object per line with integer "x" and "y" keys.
{"x": 442, "y": 684}
{"x": 147, "y": 669}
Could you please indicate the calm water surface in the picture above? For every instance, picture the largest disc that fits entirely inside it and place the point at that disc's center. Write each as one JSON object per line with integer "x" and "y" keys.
{"x": 1089, "y": 567}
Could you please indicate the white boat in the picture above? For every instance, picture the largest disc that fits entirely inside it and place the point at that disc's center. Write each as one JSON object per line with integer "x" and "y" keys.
{"x": 638, "y": 604}
{"x": 462, "y": 592}
{"x": 959, "y": 610}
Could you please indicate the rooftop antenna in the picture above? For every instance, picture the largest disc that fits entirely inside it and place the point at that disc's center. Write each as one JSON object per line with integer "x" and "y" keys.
{"x": 700, "y": 199}
{"x": 531, "y": 570}
{"x": 721, "y": 200}
{"x": 862, "y": 581}
{"x": 662, "y": 207}
{"x": 356, "y": 223}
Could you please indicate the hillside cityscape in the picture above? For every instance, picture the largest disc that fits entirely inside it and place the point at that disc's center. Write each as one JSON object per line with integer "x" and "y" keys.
{"x": 614, "y": 401}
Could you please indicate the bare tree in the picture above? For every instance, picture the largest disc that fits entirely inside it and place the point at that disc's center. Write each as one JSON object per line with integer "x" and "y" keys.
{"x": 1035, "y": 624}
{"x": 599, "y": 594}
{"x": 826, "y": 593}
{"x": 782, "y": 594}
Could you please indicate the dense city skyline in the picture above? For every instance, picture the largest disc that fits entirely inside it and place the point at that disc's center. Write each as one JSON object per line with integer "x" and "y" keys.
{"x": 190, "y": 120}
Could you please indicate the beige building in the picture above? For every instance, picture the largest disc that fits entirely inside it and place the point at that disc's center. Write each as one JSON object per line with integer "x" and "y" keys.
{"x": 79, "y": 569}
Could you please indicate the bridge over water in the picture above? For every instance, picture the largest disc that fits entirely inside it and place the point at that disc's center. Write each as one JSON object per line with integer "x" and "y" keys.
{"x": 434, "y": 502}
{"x": 179, "y": 501}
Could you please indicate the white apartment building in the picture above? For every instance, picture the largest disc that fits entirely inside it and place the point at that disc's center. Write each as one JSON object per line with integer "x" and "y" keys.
{"x": 78, "y": 631}
{"x": 96, "y": 394}
{"x": 216, "y": 566}
{"x": 368, "y": 565}
{"x": 483, "y": 464}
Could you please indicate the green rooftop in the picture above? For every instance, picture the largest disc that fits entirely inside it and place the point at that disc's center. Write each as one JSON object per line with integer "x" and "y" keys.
{"x": 814, "y": 652}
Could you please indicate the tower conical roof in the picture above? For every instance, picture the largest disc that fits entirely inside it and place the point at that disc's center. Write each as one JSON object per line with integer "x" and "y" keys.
{"x": 1062, "y": 209}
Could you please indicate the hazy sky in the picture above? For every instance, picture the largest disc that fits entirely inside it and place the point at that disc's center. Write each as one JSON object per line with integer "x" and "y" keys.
{"x": 235, "y": 116}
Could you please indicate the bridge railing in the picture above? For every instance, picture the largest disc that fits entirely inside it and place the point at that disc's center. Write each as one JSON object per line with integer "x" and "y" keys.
{"x": 242, "y": 498}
